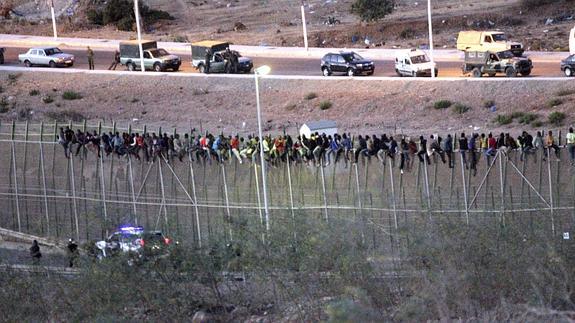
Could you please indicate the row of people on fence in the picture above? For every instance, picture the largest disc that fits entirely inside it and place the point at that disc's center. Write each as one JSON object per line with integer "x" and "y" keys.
{"x": 317, "y": 149}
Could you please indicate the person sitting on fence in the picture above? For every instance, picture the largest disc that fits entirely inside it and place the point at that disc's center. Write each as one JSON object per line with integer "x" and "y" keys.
{"x": 550, "y": 144}
{"x": 472, "y": 150}
{"x": 62, "y": 141}
{"x": 81, "y": 141}
{"x": 422, "y": 151}
{"x": 435, "y": 148}
{"x": 571, "y": 145}
{"x": 463, "y": 149}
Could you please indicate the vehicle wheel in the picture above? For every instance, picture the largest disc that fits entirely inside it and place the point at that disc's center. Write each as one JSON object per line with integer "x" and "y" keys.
{"x": 510, "y": 72}
{"x": 27, "y": 63}
{"x": 476, "y": 72}
{"x": 71, "y": 64}
{"x": 131, "y": 67}
{"x": 350, "y": 72}
{"x": 568, "y": 72}
{"x": 413, "y": 74}
{"x": 52, "y": 64}
{"x": 176, "y": 68}
{"x": 491, "y": 74}
{"x": 202, "y": 69}
{"x": 397, "y": 72}
{"x": 325, "y": 71}
{"x": 526, "y": 73}
{"x": 370, "y": 73}
{"x": 157, "y": 67}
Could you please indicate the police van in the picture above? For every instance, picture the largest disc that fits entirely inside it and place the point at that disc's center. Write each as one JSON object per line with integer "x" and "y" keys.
{"x": 414, "y": 62}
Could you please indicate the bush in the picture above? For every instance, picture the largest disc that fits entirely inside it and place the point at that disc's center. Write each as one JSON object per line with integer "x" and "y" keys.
{"x": 71, "y": 95}
{"x": 95, "y": 17}
{"x": 503, "y": 119}
{"x": 324, "y": 105}
{"x": 34, "y": 92}
{"x": 310, "y": 96}
{"x": 537, "y": 124}
{"x": 442, "y": 104}
{"x": 407, "y": 33}
{"x": 460, "y": 108}
{"x": 533, "y": 4}
{"x": 556, "y": 118}
{"x": 517, "y": 115}
{"x": 527, "y": 118}
{"x": 65, "y": 116}
{"x": 47, "y": 99}
{"x": 371, "y": 10}
{"x": 554, "y": 102}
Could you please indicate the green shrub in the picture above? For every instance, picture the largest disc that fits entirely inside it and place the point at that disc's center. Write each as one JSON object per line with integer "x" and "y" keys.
{"x": 554, "y": 102}
{"x": 371, "y": 10}
{"x": 34, "y": 92}
{"x": 556, "y": 118}
{"x": 407, "y": 33}
{"x": 47, "y": 99}
{"x": 310, "y": 96}
{"x": 537, "y": 124}
{"x": 460, "y": 108}
{"x": 517, "y": 115}
{"x": 503, "y": 119}
{"x": 95, "y": 17}
{"x": 71, "y": 95}
{"x": 324, "y": 105}
{"x": 527, "y": 118}
{"x": 442, "y": 104}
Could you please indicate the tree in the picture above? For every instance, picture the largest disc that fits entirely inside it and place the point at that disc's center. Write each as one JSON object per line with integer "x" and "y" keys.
{"x": 371, "y": 10}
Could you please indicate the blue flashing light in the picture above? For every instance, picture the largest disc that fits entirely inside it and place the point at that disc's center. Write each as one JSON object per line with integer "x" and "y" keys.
{"x": 131, "y": 229}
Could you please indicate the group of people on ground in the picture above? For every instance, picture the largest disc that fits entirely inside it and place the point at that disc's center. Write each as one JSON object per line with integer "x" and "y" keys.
{"x": 317, "y": 149}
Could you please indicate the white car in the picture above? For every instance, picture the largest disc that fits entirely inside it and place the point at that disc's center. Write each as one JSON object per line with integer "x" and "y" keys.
{"x": 46, "y": 56}
{"x": 414, "y": 62}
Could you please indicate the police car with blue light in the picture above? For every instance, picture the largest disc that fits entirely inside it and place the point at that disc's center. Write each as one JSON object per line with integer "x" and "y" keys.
{"x": 134, "y": 240}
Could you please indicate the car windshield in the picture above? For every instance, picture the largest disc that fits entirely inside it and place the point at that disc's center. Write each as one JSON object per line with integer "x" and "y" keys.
{"x": 505, "y": 54}
{"x": 350, "y": 57}
{"x": 53, "y": 51}
{"x": 159, "y": 52}
{"x": 499, "y": 37}
{"x": 419, "y": 59}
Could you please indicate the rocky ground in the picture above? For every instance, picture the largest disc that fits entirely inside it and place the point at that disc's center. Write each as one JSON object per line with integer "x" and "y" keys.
{"x": 228, "y": 104}
{"x": 278, "y": 22}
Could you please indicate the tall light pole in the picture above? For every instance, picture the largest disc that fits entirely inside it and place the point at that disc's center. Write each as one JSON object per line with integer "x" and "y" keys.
{"x": 304, "y": 26}
{"x": 51, "y": 4}
{"x": 430, "y": 39}
{"x": 137, "y": 13}
{"x": 262, "y": 70}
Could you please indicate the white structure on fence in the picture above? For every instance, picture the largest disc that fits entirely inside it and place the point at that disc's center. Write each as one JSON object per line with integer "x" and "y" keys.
{"x": 323, "y": 126}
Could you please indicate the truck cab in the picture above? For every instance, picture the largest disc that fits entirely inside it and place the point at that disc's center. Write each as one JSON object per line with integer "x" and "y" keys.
{"x": 414, "y": 63}
{"x": 487, "y": 41}
{"x": 156, "y": 59}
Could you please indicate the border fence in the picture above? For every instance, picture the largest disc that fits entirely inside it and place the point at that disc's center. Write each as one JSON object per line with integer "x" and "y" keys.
{"x": 44, "y": 193}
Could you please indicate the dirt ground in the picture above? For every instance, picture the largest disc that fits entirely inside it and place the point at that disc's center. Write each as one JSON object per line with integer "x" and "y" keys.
{"x": 278, "y": 22}
{"x": 214, "y": 104}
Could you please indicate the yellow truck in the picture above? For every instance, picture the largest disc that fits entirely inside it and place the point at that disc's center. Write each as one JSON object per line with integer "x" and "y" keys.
{"x": 487, "y": 41}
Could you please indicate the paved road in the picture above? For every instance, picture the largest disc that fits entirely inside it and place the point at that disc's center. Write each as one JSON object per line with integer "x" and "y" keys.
{"x": 284, "y": 66}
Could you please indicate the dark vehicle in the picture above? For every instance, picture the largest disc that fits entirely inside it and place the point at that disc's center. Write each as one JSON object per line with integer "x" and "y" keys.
{"x": 348, "y": 63}
{"x": 219, "y": 63}
{"x": 134, "y": 241}
{"x": 2, "y": 55}
{"x": 156, "y": 59}
{"x": 568, "y": 65}
{"x": 479, "y": 63}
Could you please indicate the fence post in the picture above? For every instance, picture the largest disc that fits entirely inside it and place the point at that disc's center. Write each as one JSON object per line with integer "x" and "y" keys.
{"x": 323, "y": 190}
{"x": 227, "y": 200}
{"x": 393, "y": 195}
{"x": 43, "y": 174}
{"x": 550, "y": 192}
{"x": 74, "y": 204}
{"x": 15, "y": 177}
{"x": 195, "y": 200}
{"x": 464, "y": 189}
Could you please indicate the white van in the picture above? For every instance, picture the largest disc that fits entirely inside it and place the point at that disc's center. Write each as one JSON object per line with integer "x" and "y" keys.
{"x": 414, "y": 62}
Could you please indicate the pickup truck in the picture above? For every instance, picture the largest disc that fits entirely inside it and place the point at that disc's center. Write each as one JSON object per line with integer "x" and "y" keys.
{"x": 487, "y": 41}
{"x": 219, "y": 62}
{"x": 480, "y": 63}
{"x": 156, "y": 59}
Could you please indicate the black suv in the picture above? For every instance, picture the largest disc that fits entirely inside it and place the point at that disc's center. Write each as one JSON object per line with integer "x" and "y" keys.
{"x": 568, "y": 66}
{"x": 349, "y": 63}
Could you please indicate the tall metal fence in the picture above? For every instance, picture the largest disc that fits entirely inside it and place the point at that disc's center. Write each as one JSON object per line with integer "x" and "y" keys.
{"x": 44, "y": 193}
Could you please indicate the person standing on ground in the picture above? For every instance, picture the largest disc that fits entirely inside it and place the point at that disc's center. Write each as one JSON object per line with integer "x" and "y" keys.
{"x": 90, "y": 58}
{"x": 72, "y": 249}
{"x": 571, "y": 145}
{"x": 208, "y": 59}
{"x": 35, "y": 252}
{"x": 116, "y": 61}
